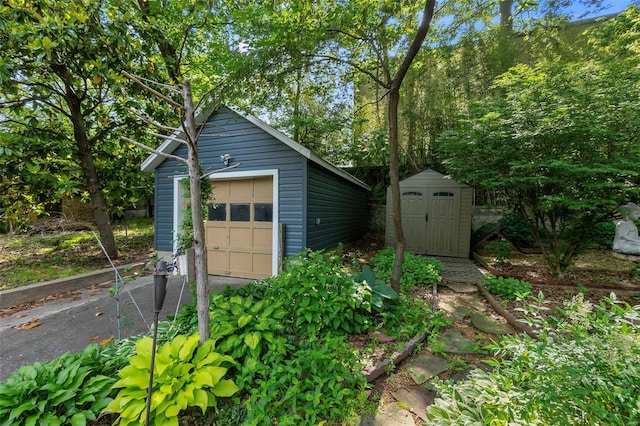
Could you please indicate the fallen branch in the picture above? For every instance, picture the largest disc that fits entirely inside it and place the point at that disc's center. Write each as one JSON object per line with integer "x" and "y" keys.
{"x": 518, "y": 325}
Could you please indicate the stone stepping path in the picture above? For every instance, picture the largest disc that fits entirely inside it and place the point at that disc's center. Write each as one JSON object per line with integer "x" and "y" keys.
{"x": 415, "y": 400}
{"x": 489, "y": 325}
{"x": 461, "y": 287}
{"x": 390, "y": 415}
{"x": 424, "y": 367}
{"x": 463, "y": 305}
{"x": 456, "y": 343}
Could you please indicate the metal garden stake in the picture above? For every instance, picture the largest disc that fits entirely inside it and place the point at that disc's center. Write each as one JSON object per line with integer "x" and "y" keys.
{"x": 159, "y": 293}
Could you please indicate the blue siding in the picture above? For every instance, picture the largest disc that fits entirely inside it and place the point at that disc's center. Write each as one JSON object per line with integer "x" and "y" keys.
{"x": 229, "y": 133}
{"x": 340, "y": 205}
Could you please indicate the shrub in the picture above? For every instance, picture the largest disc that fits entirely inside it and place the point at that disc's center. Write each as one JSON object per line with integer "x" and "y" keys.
{"x": 583, "y": 369}
{"x": 318, "y": 383}
{"x": 516, "y": 229}
{"x": 601, "y": 235}
{"x": 410, "y": 316}
{"x": 416, "y": 270}
{"x": 257, "y": 289}
{"x": 67, "y": 390}
{"x": 244, "y": 328}
{"x": 501, "y": 251}
{"x": 185, "y": 375}
{"x": 321, "y": 297}
{"x": 382, "y": 296}
{"x": 506, "y": 288}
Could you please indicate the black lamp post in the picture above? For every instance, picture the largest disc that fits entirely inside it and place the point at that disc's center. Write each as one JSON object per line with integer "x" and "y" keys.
{"x": 160, "y": 276}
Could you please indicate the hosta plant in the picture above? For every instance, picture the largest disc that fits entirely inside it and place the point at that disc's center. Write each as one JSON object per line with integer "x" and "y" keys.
{"x": 185, "y": 375}
{"x": 382, "y": 295}
{"x": 67, "y": 390}
{"x": 583, "y": 369}
{"x": 244, "y": 328}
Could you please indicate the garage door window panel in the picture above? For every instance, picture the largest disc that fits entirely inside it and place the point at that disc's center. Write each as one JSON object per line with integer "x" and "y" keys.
{"x": 217, "y": 213}
{"x": 240, "y": 212}
{"x": 263, "y": 212}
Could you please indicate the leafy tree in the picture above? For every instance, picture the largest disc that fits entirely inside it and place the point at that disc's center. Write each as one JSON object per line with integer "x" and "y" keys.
{"x": 561, "y": 142}
{"x": 375, "y": 40}
{"x": 184, "y": 37}
{"x": 58, "y": 72}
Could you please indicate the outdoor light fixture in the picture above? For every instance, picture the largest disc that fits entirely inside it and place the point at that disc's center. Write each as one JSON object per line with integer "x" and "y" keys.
{"x": 225, "y": 159}
{"x": 160, "y": 277}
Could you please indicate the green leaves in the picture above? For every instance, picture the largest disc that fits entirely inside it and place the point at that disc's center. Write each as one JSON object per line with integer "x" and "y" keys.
{"x": 585, "y": 365}
{"x": 185, "y": 375}
{"x": 316, "y": 383}
{"x": 68, "y": 389}
{"x": 381, "y": 294}
{"x": 322, "y": 296}
{"x": 245, "y": 328}
{"x": 506, "y": 288}
{"x": 416, "y": 270}
{"x": 558, "y": 141}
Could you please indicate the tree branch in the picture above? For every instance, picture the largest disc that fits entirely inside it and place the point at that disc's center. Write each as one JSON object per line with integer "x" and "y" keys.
{"x": 353, "y": 65}
{"x": 43, "y": 130}
{"x": 153, "y": 91}
{"x": 155, "y": 151}
{"x": 233, "y": 166}
{"x": 171, "y": 138}
{"x": 154, "y": 123}
{"x": 427, "y": 16}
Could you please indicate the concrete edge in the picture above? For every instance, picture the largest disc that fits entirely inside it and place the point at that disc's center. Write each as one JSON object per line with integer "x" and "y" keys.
{"x": 29, "y": 293}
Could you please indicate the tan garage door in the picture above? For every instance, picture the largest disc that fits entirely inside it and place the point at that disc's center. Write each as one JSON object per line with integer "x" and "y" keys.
{"x": 239, "y": 230}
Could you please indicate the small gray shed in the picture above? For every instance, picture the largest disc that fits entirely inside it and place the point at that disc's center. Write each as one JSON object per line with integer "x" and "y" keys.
{"x": 280, "y": 199}
{"x": 436, "y": 215}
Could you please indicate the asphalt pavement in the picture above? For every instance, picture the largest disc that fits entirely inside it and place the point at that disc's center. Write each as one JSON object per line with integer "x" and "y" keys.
{"x": 89, "y": 315}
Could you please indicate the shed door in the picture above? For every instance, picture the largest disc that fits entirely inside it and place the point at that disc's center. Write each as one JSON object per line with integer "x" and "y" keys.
{"x": 430, "y": 220}
{"x": 239, "y": 230}
{"x": 414, "y": 225}
{"x": 443, "y": 230}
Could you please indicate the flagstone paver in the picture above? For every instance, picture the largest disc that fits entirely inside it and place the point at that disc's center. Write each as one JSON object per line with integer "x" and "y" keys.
{"x": 456, "y": 343}
{"x": 489, "y": 325}
{"x": 392, "y": 415}
{"x": 456, "y": 312}
{"x": 461, "y": 287}
{"x": 424, "y": 367}
{"x": 415, "y": 400}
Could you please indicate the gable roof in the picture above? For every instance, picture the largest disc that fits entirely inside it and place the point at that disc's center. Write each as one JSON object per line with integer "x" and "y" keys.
{"x": 170, "y": 145}
{"x": 430, "y": 177}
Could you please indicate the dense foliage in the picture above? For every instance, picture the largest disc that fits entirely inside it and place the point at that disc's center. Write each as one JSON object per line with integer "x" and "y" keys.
{"x": 67, "y": 390}
{"x": 552, "y": 143}
{"x": 317, "y": 382}
{"x": 416, "y": 270}
{"x": 583, "y": 369}
{"x": 185, "y": 375}
{"x": 506, "y": 288}
{"x": 321, "y": 295}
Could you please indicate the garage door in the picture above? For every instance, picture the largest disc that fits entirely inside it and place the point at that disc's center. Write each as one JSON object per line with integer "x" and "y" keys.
{"x": 239, "y": 230}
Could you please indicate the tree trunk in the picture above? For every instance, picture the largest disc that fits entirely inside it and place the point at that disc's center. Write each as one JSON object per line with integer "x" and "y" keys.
{"x": 202, "y": 276}
{"x": 506, "y": 19}
{"x": 394, "y": 164}
{"x": 394, "y": 175}
{"x": 90, "y": 176}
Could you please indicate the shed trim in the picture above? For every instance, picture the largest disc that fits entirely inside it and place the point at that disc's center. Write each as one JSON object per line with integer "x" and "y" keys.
{"x": 170, "y": 145}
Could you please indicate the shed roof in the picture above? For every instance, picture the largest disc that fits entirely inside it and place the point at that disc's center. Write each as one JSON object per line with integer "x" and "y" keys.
{"x": 430, "y": 177}
{"x": 170, "y": 145}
